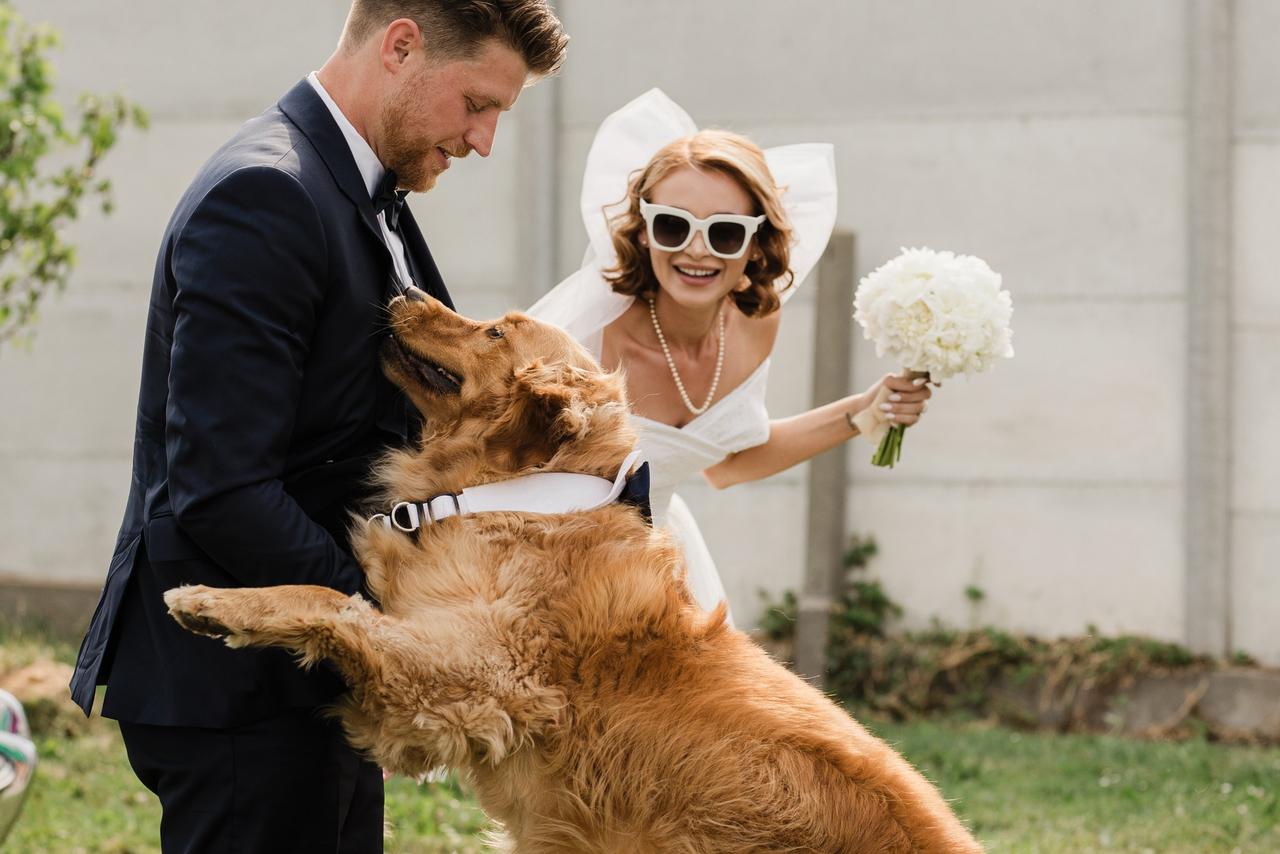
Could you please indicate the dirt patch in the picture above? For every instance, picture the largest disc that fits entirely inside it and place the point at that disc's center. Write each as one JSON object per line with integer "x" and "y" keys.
{"x": 43, "y": 688}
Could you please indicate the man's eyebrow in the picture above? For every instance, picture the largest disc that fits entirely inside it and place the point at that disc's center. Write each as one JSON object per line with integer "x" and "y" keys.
{"x": 489, "y": 101}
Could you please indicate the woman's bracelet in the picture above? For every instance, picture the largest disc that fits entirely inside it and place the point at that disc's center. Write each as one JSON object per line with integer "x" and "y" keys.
{"x": 848, "y": 417}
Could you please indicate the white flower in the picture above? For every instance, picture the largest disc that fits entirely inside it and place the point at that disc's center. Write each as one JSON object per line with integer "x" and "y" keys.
{"x": 937, "y": 312}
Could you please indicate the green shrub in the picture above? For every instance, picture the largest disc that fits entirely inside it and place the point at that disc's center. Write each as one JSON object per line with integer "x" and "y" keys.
{"x": 945, "y": 670}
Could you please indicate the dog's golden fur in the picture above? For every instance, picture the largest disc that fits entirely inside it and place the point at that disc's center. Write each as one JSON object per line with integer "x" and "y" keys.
{"x": 558, "y": 660}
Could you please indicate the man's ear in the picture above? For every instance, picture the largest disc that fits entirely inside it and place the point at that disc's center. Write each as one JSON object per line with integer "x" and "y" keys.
{"x": 399, "y": 41}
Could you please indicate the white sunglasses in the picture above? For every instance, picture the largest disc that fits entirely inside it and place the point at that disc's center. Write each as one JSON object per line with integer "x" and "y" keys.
{"x": 725, "y": 235}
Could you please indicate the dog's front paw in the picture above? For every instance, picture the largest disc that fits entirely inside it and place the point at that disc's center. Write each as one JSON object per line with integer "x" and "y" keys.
{"x": 193, "y": 606}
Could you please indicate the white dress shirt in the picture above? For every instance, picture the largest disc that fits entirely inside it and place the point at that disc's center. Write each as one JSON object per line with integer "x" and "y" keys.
{"x": 372, "y": 170}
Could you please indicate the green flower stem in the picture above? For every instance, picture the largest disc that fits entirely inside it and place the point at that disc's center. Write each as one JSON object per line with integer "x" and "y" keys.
{"x": 889, "y": 450}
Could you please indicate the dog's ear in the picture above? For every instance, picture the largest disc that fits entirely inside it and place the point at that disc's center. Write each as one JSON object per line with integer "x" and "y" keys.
{"x": 545, "y": 408}
{"x": 554, "y": 397}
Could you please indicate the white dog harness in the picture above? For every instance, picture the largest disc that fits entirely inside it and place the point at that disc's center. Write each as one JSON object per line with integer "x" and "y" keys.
{"x": 543, "y": 492}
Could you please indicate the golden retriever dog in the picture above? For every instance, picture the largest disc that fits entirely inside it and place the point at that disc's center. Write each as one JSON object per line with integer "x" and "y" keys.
{"x": 557, "y": 660}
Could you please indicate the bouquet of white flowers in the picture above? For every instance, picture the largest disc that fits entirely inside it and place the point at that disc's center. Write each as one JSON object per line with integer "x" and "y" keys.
{"x": 937, "y": 314}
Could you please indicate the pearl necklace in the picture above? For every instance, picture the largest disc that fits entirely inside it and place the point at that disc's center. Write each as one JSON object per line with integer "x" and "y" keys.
{"x": 671, "y": 363}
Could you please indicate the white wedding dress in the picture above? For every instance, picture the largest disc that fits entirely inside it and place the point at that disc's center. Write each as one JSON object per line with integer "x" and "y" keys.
{"x": 584, "y": 305}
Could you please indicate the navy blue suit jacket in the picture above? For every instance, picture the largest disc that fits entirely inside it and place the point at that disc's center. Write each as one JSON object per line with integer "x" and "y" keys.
{"x": 262, "y": 405}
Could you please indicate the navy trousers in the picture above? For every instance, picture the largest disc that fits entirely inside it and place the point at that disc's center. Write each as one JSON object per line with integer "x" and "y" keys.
{"x": 286, "y": 784}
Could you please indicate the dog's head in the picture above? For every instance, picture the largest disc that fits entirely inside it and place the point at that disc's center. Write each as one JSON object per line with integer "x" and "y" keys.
{"x": 523, "y": 393}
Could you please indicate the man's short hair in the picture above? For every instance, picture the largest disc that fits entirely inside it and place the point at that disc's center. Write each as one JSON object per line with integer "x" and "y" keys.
{"x": 458, "y": 28}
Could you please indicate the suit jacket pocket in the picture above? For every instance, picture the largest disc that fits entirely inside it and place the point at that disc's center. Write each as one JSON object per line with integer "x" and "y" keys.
{"x": 165, "y": 541}
{"x": 175, "y": 559}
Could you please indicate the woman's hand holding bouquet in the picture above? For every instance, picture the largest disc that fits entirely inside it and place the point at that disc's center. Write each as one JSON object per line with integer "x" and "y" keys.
{"x": 937, "y": 314}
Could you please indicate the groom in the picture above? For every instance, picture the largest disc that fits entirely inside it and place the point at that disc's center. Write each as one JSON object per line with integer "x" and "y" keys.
{"x": 262, "y": 405}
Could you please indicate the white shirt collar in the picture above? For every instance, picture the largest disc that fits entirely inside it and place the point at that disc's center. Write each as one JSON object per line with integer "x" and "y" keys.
{"x": 371, "y": 169}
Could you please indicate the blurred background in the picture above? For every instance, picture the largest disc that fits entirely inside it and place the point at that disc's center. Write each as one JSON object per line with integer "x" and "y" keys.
{"x": 1118, "y": 163}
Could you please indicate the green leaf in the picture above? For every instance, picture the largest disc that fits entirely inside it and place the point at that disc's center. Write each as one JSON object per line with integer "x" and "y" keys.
{"x": 37, "y": 200}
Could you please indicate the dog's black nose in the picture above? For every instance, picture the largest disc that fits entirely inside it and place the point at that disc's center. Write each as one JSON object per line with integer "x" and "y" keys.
{"x": 413, "y": 294}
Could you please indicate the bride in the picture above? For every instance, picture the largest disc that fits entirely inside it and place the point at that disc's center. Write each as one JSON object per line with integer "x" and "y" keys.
{"x": 697, "y": 239}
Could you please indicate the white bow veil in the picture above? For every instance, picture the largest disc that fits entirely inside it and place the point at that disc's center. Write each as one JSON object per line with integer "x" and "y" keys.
{"x": 584, "y": 304}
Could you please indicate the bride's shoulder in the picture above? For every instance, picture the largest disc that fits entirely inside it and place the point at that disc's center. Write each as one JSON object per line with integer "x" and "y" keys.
{"x": 621, "y": 337}
{"x": 761, "y": 332}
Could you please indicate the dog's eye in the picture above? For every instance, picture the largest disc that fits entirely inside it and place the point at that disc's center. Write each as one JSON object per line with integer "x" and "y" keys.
{"x": 494, "y": 332}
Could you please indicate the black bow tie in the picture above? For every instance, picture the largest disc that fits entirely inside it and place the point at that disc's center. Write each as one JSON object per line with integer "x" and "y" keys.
{"x": 636, "y": 492}
{"x": 389, "y": 199}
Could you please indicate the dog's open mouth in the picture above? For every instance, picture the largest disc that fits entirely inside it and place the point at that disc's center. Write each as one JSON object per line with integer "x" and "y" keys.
{"x": 435, "y": 377}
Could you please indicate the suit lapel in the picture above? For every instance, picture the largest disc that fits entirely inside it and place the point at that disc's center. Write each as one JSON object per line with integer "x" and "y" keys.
{"x": 306, "y": 110}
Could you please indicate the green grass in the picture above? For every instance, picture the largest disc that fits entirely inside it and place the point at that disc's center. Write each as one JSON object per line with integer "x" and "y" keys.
{"x": 85, "y": 799}
{"x": 1020, "y": 792}
{"x": 1026, "y": 792}
{"x": 433, "y": 818}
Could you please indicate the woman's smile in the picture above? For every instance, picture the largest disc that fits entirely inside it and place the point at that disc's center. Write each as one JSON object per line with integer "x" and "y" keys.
{"x": 695, "y": 275}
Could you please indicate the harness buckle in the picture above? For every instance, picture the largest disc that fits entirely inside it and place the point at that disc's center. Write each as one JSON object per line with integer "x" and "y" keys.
{"x": 430, "y": 506}
{"x": 411, "y": 510}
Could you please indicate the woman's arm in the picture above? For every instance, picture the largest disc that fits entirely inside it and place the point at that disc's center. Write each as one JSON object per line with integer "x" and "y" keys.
{"x": 804, "y": 436}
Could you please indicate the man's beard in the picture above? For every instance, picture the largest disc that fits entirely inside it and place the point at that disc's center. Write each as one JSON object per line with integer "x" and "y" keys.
{"x": 410, "y": 158}
{"x": 413, "y": 172}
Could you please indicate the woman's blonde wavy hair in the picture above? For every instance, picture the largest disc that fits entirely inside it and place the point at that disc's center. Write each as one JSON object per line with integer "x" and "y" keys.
{"x": 741, "y": 159}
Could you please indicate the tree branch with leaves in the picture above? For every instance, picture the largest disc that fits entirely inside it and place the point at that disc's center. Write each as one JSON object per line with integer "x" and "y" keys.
{"x": 38, "y": 201}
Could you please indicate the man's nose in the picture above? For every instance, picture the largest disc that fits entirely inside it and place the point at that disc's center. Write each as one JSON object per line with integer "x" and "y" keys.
{"x": 481, "y": 135}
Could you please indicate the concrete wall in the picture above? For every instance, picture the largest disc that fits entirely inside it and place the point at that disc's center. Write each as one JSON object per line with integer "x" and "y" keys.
{"x": 1045, "y": 137}
{"x": 1255, "y": 334}
{"x": 1049, "y": 138}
